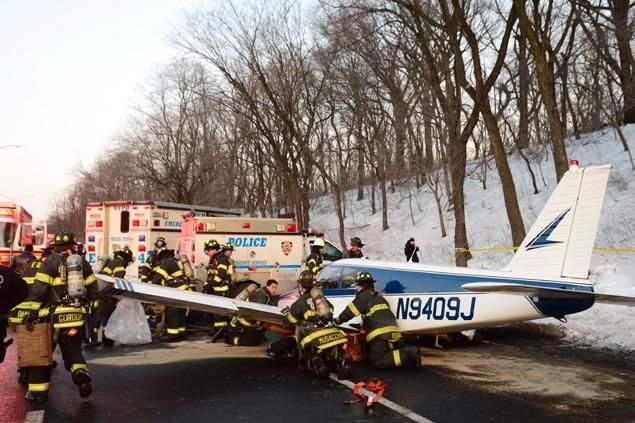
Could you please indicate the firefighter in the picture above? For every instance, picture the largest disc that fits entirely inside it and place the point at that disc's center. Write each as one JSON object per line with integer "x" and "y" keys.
{"x": 248, "y": 332}
{"x": 116, "y": 267}
{"x": 314, "y": 262}
{"x": 221, "y": 279}
{"x": 20, "y": 262}
{"x": 382, "y": 334}
{"x": 321, "y": 344}
{"x": 211, "y": 248}
{"x": 169, "y": 273}
{"x": 151, "y": 262}
{"x": 19, "y": 312}
{"x": 13, "y": 290}
{"x": 356, "y": 248}
{"x": 80, "y": 249}
{"x": 63, "y": 287}
{"x": 146, "y": 269}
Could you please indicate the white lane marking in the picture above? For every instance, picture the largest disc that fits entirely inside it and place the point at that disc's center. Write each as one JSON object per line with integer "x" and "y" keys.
{"x": 406, "y": 412}
{"x": 34, "y": 416}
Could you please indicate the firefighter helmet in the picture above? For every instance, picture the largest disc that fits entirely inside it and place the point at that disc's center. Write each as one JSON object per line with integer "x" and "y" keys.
{"x": 212, "y": 244}
{"x": 162, "y": 252}
{"x": 160, "y": 243}
{"x": 357, "y": 241}
{"x": 364, "y": 279}
{"x": 64, "y": 237}
{"x": 319, "y": 242}
{"x": 227, "y": 246}
{"x": 306, "y": 279}
{"x": 125, "y": 253}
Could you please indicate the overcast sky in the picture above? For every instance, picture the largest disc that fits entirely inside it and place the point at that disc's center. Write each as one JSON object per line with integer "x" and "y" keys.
{"x": 71, "y": 71}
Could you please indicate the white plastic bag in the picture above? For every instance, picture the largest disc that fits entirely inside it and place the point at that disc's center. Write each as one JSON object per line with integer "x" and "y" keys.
{"x": 128, "y": 325}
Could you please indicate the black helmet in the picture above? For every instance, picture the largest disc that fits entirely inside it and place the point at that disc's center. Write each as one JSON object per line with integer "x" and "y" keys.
{"x": 364, "y": 279}
{"x": 306, "y": 279}
{"x": 64, "y": 237}
{"x": 125, "y": 253}
{"x": 356, "y": 241}
{"x": 227, "y": 246}
{"x": 212, "y": 244}
{"x": 160, "y": 243}
{"x": 163, "y": 252}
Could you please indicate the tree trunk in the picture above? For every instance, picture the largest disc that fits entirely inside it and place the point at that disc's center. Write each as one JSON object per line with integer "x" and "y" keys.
{"x": 523, "y": 94}
{"x": 458, "y": 158}
{"x": 507, "y": 181}
{"x": 546, "y": 84}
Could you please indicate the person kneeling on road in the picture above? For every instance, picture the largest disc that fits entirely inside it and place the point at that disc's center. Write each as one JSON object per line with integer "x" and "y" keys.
{"x": 246, "y": 332}
{"x": 382, "y": 334}
{"x": 321, "y": 344}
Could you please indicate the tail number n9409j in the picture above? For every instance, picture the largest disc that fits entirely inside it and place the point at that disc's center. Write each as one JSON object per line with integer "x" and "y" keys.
{"x": 435, "y": 308}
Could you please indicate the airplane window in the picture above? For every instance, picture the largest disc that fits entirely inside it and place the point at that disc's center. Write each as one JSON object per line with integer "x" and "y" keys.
{"x": 329, "y": 277}
{"x": 381, "y": 276}
{"x": 348, "y": 277}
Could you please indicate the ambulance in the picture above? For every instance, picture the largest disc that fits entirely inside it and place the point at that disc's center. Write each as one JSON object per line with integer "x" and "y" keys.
{"x": 18, "y": 230}
{"x": 111, "y": 225}
{"x": 264, "y": 248}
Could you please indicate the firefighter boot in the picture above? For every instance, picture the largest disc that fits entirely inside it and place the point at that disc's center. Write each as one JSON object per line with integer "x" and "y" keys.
{"x": 37, "y": 397}
{"x": 81, "y": 378}
{"x": 23, "y": 376}
{"x": 319, "y": 368}
{"x": 345, "y": 366}
{"x": 414, "y": 358}
{"x": 170, "y": 338}
{"x": 107, "y": 342}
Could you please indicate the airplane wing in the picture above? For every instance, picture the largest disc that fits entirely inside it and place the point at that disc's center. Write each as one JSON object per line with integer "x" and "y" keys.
{"x": 121, "y": 288}
{"x": 553, "y": 293}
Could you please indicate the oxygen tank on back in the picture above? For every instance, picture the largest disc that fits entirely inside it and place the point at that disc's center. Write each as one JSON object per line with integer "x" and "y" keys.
{"x": 321, "y": 304}
{"x": 101, "y": 262}
{"x": 75, "y": 285}
{"x": 186, "y": 266}
{"x": 245, "y": 293}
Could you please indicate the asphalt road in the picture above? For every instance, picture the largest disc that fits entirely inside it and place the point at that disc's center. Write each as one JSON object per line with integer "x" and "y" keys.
{"x": 197, "y": 381}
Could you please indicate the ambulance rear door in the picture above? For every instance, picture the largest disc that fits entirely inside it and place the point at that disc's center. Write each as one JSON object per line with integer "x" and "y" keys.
{"x": 96, "y": 231}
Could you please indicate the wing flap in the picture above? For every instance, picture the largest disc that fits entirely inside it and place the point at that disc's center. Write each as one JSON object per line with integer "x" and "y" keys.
{"x": 551, "y": 293}
{"x": 121, "y": 288}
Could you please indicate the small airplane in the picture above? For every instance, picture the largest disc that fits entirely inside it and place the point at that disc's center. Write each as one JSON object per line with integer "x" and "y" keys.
{"x": 547, "y": 277}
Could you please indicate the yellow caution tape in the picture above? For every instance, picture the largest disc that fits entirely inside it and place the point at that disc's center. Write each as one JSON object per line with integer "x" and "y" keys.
{"x": 465, "y": 250}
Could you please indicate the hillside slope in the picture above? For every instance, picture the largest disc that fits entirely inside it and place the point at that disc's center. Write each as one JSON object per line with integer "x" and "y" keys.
{"x": 487, "y": 225}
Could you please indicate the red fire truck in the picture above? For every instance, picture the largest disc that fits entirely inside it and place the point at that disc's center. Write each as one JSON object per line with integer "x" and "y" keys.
{"x": 17, "y": 230}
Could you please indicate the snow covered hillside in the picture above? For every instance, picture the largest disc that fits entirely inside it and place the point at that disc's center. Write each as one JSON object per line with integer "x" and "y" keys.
{"x": 601, "y": 326}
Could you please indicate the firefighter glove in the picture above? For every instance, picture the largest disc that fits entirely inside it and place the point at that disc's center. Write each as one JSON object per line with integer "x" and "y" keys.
{"x": 29, "y": 320}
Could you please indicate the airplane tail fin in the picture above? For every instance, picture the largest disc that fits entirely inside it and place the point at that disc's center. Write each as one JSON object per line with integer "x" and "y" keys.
{"x": 561, "y": 240}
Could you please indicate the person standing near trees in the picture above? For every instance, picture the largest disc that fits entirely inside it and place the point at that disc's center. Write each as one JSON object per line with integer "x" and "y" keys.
{"x": 356, "y": 248}
{"x": 410, "y": 250}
